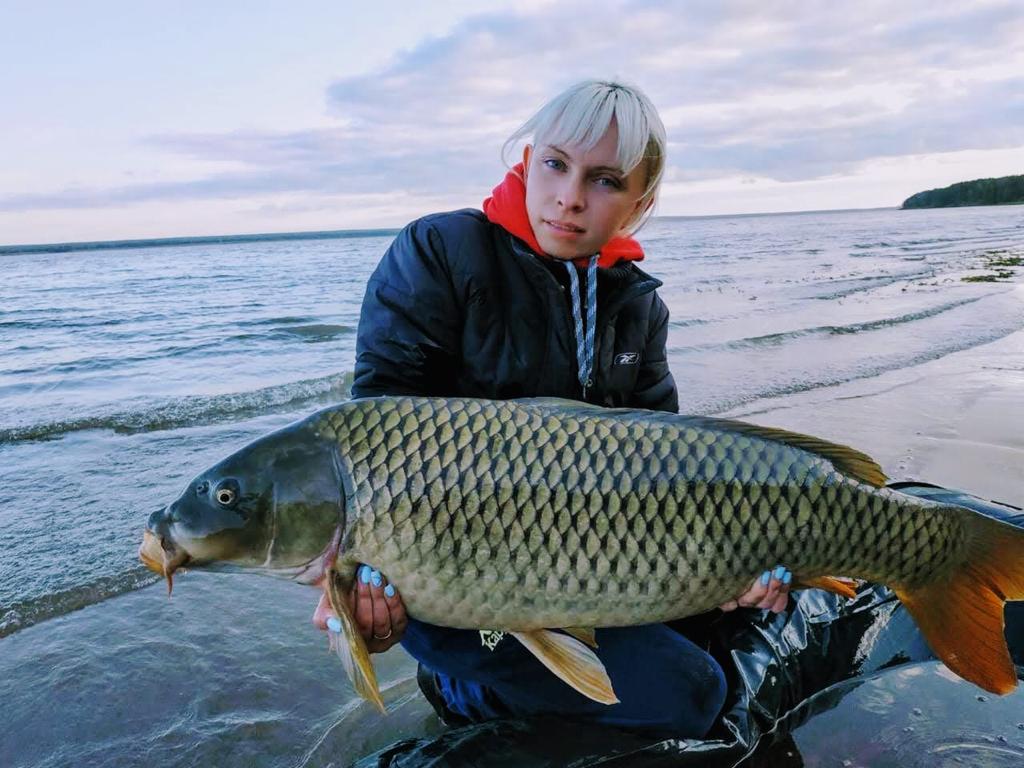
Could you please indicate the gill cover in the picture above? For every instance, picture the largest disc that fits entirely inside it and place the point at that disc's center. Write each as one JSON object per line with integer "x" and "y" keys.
{"x": 275, "y": 504}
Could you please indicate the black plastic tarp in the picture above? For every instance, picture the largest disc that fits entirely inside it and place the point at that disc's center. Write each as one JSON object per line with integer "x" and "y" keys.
{"x": 782, "y": 668}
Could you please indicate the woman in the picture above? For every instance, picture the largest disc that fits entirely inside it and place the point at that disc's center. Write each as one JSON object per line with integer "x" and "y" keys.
{"x": 539, "y": 295}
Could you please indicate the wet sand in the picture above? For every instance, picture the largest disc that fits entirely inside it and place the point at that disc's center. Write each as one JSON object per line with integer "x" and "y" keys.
{"x": 957, "y": 421}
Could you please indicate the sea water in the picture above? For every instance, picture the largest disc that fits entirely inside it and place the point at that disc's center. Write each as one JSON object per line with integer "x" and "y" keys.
{"x": 125, "y": 369}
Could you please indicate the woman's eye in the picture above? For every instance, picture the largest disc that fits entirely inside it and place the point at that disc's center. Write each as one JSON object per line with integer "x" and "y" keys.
{"x": 555, "y": 163}
{"x": 609, "y": 181}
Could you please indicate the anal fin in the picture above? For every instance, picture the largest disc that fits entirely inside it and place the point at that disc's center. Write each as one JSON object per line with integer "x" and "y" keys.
{"x": 571, "y": 661}
{"x": 838, "y": 586}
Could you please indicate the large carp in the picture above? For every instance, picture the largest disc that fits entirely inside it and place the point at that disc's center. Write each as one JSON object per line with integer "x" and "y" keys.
{"x": 525, "y": 516}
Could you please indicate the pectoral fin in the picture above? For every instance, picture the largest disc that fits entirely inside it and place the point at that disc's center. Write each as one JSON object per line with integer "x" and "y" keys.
{"x": 349, "y": 644}
{"x": 571, "y": 661}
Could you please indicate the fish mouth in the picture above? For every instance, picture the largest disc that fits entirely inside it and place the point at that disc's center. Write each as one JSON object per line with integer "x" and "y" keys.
{"x": 161, "y": 556}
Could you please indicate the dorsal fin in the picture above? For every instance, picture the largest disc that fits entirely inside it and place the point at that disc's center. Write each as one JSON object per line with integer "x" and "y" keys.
{"x": 849, "y": 461}
{"x": 845, "y": 459}
{"x": 557, "y": 402}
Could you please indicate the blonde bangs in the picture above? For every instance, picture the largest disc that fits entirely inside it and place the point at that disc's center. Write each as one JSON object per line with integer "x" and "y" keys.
{"x": 581, "y": 115}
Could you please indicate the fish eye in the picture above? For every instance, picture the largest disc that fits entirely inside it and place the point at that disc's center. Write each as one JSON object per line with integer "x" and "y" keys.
{"x": 226, "y": 493}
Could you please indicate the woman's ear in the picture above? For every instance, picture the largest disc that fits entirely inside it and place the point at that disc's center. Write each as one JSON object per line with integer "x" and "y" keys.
{"x": 527, "y": 154}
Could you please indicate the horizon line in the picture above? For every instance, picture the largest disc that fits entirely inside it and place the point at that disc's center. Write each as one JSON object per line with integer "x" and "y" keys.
{"x": 331, "y": 234}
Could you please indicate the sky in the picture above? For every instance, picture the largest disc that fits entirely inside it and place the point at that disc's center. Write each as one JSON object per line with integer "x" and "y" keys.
{"x": 140, "y": 119}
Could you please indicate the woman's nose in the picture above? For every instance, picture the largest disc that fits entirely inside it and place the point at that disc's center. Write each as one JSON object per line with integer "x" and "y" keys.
{"x": 572, "y": 194}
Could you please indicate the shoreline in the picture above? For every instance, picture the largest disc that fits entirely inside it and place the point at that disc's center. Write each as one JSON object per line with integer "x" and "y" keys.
{"x": 957, "y": 421}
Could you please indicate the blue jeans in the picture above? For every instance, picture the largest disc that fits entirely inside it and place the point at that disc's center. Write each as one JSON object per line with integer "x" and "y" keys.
{"x": 666, "y": 685}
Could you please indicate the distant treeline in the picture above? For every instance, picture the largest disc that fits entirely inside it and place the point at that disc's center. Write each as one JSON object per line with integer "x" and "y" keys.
{"x": 1007, "y": 189}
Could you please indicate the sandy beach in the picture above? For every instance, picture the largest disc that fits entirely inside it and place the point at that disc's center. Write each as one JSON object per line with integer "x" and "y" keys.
{"x": 957, "y": 421}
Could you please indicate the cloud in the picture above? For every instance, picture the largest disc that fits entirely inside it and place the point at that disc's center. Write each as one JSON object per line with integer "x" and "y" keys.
{"x": 782, "y": 90}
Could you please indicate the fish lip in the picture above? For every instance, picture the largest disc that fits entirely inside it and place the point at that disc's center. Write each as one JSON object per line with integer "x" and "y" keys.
{"x": 160, "y": 555}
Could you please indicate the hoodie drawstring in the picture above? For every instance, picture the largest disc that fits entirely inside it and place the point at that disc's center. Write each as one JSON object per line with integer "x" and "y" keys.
{"x": 584, "y": 341}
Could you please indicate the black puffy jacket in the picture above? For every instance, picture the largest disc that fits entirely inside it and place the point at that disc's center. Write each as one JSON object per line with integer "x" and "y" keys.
{"x": 459, "y": 307}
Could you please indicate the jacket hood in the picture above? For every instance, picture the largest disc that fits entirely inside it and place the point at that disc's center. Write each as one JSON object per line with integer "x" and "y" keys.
{"x": 506, "y": 207}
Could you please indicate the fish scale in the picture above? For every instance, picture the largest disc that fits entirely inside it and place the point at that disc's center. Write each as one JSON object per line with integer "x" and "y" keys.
{"x": 520, "y": 516}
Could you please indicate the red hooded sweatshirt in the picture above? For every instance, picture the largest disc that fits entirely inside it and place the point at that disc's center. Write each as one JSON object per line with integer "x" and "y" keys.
{"x": 506, "y": 207}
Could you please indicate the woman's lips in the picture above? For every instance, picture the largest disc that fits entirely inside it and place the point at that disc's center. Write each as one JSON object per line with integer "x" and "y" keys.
{"x": 563, "y": 229}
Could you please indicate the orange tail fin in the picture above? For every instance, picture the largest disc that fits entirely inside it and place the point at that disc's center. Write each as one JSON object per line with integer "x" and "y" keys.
{"x": 961, "y": 615}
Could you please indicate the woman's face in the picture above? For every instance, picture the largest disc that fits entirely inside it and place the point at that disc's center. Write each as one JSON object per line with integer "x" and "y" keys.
{"x": 577, "y": 201}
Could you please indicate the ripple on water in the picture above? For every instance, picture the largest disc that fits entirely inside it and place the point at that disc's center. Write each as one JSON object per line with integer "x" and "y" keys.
{"x": 918, "y": 716}
{"x": 228, "y": 672}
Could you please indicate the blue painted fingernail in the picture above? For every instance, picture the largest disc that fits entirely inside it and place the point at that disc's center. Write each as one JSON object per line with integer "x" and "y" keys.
{"x": 780, "y": 572}
{"x": 375, "y": 579}
{"x": 364, "y": 574}
{"x": 389, "y": 591}
{"x": 787, "y": 578}
{"x": 765, "y": 576}
{"x": 334, "y": 624}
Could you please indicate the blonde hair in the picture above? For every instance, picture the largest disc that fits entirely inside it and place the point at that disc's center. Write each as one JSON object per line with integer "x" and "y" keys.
{"x": 581, "y": 115}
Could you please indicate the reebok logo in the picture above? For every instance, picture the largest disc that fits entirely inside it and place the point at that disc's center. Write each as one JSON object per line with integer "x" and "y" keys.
{"x": 627, "y": 358}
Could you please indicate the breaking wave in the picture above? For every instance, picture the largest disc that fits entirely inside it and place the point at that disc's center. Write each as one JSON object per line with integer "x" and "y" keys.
{"x": 718, "y": 404}
{"x": 775, "y": 339}
{"x": 28, "y": 612}
{"x": 195, "y": 410}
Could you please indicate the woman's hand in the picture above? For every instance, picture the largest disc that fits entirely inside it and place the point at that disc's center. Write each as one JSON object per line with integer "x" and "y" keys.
{"x": 376, "y": 607}
{"x": 770, "y": 591}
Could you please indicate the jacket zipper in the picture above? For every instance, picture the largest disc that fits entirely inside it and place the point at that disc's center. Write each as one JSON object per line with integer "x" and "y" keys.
{"x": 604, "y": 321}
